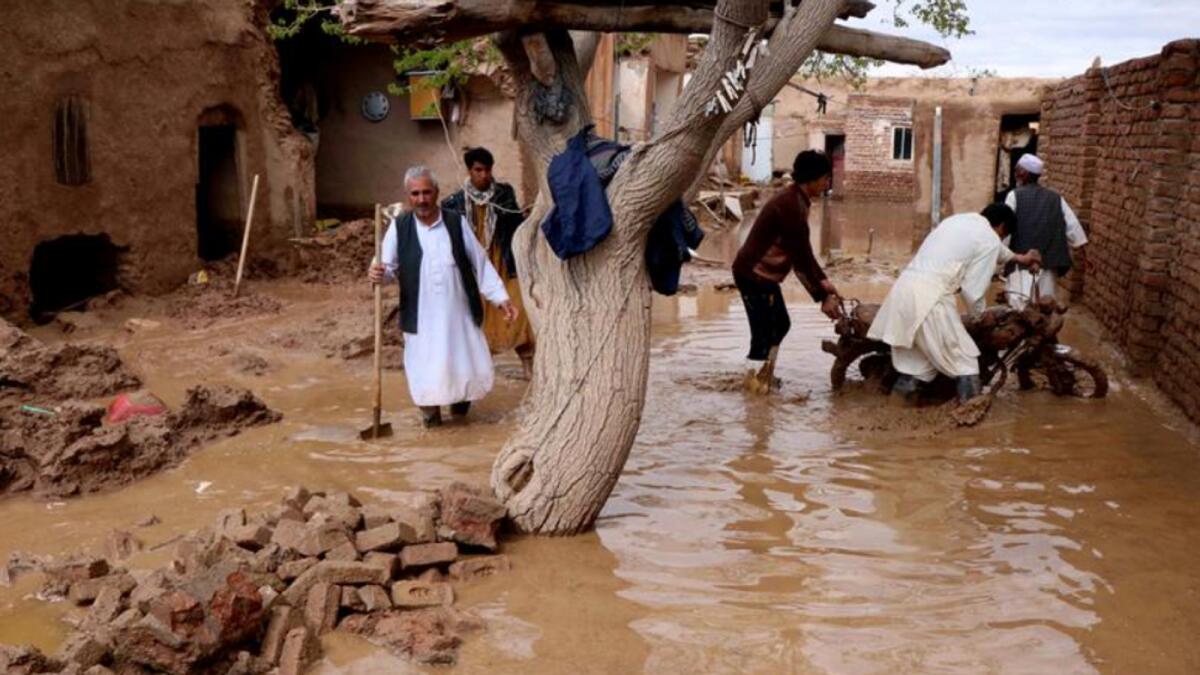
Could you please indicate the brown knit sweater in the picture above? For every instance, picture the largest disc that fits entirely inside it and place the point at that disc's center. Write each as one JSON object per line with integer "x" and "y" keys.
{"x": 779, "y": 243}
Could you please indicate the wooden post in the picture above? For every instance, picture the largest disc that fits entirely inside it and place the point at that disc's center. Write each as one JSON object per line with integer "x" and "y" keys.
{"x": 237, "y": 282}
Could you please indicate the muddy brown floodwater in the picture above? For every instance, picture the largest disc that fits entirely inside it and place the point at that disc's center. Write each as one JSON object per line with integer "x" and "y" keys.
{"x": 747, "y": 535}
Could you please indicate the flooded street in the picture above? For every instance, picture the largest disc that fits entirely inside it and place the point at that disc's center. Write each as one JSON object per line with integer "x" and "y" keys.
{"x": 747, "y": 535}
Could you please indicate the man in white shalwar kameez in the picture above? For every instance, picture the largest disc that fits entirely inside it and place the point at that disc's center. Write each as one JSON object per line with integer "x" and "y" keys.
{"x": 442, "y": 274}
{"x": 920, "y": 319}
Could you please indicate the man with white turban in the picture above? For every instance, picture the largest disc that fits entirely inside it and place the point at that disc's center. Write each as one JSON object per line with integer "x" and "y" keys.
{"x": 1045, "y": 222}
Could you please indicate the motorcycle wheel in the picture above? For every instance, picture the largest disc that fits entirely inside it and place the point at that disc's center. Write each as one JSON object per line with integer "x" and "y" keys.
{"x": 1090, "y": 380}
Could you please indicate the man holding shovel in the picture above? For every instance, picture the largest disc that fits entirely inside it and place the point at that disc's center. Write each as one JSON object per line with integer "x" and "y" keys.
{"x": 443, "y": 275}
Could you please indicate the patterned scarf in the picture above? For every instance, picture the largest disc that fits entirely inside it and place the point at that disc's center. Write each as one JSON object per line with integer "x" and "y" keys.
{"x": 484, "y": 198}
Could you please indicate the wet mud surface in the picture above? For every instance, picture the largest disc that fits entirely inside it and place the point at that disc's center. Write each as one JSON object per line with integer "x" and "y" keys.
{"x": 799, "y": 532}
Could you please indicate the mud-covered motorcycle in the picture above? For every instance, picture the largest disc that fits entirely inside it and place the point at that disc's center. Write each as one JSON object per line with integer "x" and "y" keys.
{"x": 1024, "y": 341}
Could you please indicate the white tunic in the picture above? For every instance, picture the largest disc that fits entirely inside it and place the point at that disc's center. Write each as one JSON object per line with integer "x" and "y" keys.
{"x": 447, "y": 360}
{"x": 960, "y": 253}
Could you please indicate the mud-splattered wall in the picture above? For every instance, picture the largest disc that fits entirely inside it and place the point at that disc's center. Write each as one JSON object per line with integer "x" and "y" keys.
{"x": 100, "y": 125}
{"x": 1123, "y": 146}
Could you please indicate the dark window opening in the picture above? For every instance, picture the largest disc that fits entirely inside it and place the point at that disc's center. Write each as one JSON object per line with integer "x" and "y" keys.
{"x": 218, "y": 197}
{"x": 902, "y": 143}
{"x": 835, "y": 147}
{"x": 68, "y": 270}
{"x": 72, "y": 166}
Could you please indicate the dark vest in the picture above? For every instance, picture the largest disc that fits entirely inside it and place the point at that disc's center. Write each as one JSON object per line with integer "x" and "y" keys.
{"x": 1041, "y": 225}
{"x": 408, "y": 272}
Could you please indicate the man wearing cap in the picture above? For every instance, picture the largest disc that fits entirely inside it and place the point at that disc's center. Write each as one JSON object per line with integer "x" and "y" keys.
{"x": 778, "y": 243}
{"x": 1044, "y": 222}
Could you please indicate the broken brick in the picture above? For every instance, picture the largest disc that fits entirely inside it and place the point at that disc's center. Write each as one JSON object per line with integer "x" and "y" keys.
{"x": 423, "y": 555}
{"x": 412, "y": 594}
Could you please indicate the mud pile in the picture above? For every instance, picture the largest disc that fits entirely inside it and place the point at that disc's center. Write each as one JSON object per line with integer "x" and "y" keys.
{"x": 57, "y": 445}
{"x": 346, "y": 333}
{"x": 340, "y": 256}
{"x": 31, "y": 371}
{"x": 74, "y": 452}
{"x": 859, "y": 269}
{"x": 253, "y": 594}
{"x": 202, "y": 306}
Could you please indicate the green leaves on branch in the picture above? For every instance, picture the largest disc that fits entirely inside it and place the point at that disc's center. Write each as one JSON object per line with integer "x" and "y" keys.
{"x": 291, "y": 16}
{"x": 633, "y": 43}
{"x": 448, "y": 64}
{"x": 948, "y": 17}
{"x": 852, "y": 69}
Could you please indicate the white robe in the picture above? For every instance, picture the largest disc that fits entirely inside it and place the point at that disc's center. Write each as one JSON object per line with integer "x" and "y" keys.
{"x": 1019, "y": 284}
{"x": 447, "y": 360}
{"x": 919, "y": 318}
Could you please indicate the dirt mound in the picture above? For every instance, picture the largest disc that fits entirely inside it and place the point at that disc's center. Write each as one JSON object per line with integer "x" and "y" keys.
{"x": 863, "y": 408}
{"x": 32, "y": 372}
{"x": 340, "y": 256}
{"x": 346, "y": 333}
{"x": 202, "y": 306}
{"x": 73, "y": 451}
{"x": 852, "y": 269}
{"x": 254, "y": 593}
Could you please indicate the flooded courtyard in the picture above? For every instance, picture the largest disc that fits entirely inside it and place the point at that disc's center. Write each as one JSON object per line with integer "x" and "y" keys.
{"x": 746, "y": 535}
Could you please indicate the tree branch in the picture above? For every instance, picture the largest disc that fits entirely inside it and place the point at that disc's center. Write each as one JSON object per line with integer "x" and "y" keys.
{"x": 857, "y": 42}
{"x": 586, "y": 43}
{"x": 414, "y": 22}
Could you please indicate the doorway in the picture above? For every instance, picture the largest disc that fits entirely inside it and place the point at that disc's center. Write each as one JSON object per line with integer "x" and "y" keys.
{"x": 835, "y": 149}
{"x": 1018, "y": 136}
{"x": 218, "y": 196}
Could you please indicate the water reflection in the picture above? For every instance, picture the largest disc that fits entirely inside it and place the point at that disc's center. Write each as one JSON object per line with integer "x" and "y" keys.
{"x": 747, "y": 535}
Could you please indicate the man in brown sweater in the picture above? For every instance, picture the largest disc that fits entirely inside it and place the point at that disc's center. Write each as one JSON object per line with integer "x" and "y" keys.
{"x": 779, "y": 243}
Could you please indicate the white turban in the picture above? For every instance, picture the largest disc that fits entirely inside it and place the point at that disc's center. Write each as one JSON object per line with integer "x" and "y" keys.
{"x": 1031, "y": 163}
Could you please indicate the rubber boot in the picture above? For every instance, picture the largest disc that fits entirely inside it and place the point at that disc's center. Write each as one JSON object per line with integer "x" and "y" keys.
{"x": 431, "y": 416}
{"x": 904, "y": 391}
{"x": 460, "y": 409}
{"x": 968, "y": 387}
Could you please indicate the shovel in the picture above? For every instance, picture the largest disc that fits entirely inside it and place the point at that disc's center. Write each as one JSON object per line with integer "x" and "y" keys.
{"x": 378, "y": 429}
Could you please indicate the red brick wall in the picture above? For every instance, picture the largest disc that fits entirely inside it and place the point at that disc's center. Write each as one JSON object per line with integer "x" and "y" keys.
{"x": 870, "y": 172}
{"x": 1126, "y": 154}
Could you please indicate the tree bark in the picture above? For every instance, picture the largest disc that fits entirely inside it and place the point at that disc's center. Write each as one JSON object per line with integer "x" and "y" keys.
{"x": 591, "y": 317}
{"x": 415, "y": 22}
{"x": 591, "y": 314}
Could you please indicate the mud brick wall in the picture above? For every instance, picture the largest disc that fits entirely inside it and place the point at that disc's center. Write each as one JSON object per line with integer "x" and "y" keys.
{"x": 1122, "y": 144}
{"x": 871, "y": 173}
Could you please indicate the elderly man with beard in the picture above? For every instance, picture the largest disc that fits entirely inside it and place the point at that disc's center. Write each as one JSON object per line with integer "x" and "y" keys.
{"x": 443, "y": 274}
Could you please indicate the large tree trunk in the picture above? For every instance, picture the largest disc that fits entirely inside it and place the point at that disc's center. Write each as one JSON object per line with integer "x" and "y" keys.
{"x": 591, "y": 316}
{"x": 591, "y": 313}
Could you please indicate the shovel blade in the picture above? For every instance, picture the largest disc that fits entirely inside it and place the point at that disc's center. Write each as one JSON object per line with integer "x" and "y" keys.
{"x": 373, "y": 432}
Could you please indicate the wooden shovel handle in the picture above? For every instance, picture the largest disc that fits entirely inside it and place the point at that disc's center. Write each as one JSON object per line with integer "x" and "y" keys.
{"x": 378, "y": 319}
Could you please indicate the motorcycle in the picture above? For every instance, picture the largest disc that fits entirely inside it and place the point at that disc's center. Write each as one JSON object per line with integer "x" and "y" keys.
{"x": 1024, "y": 341}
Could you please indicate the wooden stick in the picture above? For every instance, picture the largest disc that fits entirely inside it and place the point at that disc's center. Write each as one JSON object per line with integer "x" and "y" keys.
{"x": 237, "y": 282}
{"x": 378, "y": 411}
